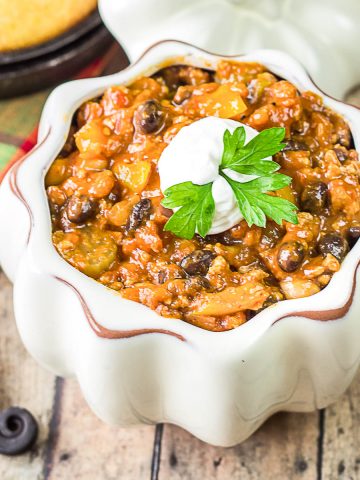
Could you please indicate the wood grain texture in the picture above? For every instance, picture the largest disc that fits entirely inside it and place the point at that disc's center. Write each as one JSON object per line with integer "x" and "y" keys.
{"x": 285, "y": 447}
{"x": 22, "y": 383}
{"x": 341, "y": 444}
{"x": 88, "y": 449}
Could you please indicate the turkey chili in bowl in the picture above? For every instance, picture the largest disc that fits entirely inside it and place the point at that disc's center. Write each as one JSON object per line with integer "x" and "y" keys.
{"x": 120, "y": 217}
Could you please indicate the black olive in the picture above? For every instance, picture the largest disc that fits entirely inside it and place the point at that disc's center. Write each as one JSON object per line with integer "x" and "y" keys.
{"x": 198, "y": 262}
{"x": 334, "y": 244}
{"x": 315, "y": 198}
{"x": 225, "y": 238}
{"x": 290, "y": 256}
{"x": 353, "y": 235}
{"x": 140, "y": 212}
{"x": 18, "y": 431}
{"x": 271, "y": 234}
{"x": 149, "y": 117}
{"x": 80, "y": 209}
{"x": 294, "y": 145}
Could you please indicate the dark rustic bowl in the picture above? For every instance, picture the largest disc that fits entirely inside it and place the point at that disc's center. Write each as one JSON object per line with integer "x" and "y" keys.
{"x": 28, "y": 70}
{"x": 74, "y": 33}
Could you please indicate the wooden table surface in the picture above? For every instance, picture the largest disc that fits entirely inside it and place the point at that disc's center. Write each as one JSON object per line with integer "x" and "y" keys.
{"x": 74, "y": 445}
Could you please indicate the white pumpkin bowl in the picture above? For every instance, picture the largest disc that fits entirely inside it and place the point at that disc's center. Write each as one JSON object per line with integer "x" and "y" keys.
{"x": 136, "y": 367}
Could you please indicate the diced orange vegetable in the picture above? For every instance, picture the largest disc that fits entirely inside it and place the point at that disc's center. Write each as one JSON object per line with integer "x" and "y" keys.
{"x": 100, "y": 184}
{"x": 96, "y": 163}
{"x": 148, "y": 294}
{"x": 298, "y": 288}
{"x": 91, "y": 138}
{"x": 120, "y": 212}
{"x": 95, "y": 184}
{"x": 287, "y": 194}
{"x": 146, "y": 87}
{"x": 114, "y": 98}
{"x": 134, "y": 176}
{"x": 232, "y": 299}
{"x": 224, "y": 102}
{"x": 59, "y": 171}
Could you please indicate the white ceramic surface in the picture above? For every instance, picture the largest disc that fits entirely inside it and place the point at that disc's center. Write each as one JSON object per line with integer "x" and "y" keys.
{"x": 324, "y": 35}
{"x": 219, "y": 386}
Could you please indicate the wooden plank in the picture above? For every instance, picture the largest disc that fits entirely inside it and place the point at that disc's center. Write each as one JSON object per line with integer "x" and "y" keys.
{"x": 22, "y": 383}
{"x": 285, "y": 447}
{"x": 86, "y": 448}
{"x": 341, "y": 444}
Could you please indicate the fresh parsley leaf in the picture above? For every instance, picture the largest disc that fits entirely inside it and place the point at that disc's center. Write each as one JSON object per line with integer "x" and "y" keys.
{"x": 255, "y": 205}
{"x": 236, "y": 155}
{"x": 262, "y": 167}
{"x": 232, "y": 143}
{"x": 269, "y": 183}
{"x": 196, "y": 209}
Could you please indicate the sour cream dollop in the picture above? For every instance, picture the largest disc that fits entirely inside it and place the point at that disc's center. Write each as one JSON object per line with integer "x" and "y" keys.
{"x": 194, "y": 155}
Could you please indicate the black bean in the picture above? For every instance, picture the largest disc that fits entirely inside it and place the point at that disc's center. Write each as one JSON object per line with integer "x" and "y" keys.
{"x": 149, "y": 117}
{"x": 80, "y": 209}
{"x": 294, "y": 145}
{"x": 180, "y": 75}
{"x": 315, "y": 198}
{"x": 172, "y": 77}
{"x": 140, "y": 212}
{"x": 198, "y": 283}
{"x": 342, "y": 154}
{"x": 290, "y": 256}
{"x": 353, "y": 235}
{"x": 271, "y": 234}
{"x": 224, "y": 238}
{"x": 198, "y": 262}
{"x": 270, "y": 281}
{"x": 334, "y": 244}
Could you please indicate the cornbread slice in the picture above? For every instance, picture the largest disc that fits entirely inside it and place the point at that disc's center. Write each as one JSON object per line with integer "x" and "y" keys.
{"x": 25, "y": 23}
